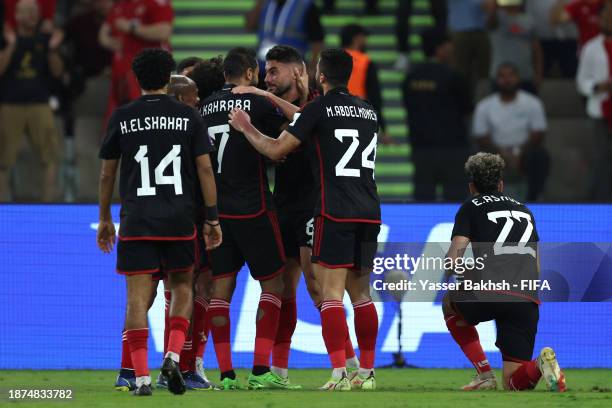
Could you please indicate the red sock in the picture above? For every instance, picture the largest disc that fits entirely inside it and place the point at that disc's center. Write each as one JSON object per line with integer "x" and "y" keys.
{"x": 126, "y": 358}
{"x": 366, "y": 329}
{"x": 349, "y": 350}
{"x": 526, "y": 377}
{"x": 267, "y": 326}
{"x": 335, "y": 331}
{"x": 167, "y": 299}
{"x": 187, "y": 359}
{"x": 178, "y": 333}
{"x": 219, "y": 323}
{"x": 200, "y": 326}
{"x": 467, "y": 338}
{"x": 286, "y": 326}
{"x": 137, "y": 339}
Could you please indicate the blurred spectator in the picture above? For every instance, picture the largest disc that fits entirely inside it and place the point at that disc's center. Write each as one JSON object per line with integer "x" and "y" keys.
{"x": 558, "y": 42}
{"x": 27, "y": 66}
{"x": 403, "y": 27}
{"x": 513, "y": 40}
{"x": 583, "y": 13}
{"x": 46, "y": 9}
{"x": 186, "y": 66}
{"x": 438, "y": 102}
{"x": 287, "y": 22}
{"x": 595, "y": 82}
{"x": 467, "y": 22}
{"x": 371, "y": 6}
{"x": 511, "y": 122}
{"x": 364, "y": 78}
{"x": 82, "y": 30}
{"x": 47, "y": 12}
{"x": 131, "y": 26}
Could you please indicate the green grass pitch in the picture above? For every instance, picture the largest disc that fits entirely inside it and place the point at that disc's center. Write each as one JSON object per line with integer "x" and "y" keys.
{"x": 397, "y": 388}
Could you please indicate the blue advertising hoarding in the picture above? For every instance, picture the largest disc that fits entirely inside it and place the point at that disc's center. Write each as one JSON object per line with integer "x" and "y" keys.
{"x": 62, "y": 304}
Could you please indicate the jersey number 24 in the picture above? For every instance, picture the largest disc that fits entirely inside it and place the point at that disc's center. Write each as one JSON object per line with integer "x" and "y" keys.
{"x": 370, "y": 150}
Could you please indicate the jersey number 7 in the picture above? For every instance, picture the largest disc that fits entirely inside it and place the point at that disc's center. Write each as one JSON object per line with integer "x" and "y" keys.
{"x": 175, "y": 179}
{"x": 353, "y": 134}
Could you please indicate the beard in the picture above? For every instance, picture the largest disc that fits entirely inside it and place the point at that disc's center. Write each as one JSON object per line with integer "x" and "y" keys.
{"x": 508, "y": 90}
{"x": 281, "y": 89}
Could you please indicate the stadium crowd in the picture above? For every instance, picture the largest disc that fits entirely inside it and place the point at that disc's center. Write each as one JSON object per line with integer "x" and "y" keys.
{"x": 487, "y": 62}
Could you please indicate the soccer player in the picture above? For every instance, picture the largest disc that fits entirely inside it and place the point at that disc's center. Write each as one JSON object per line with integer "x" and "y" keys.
{"x": 340, "y": 133}
{"x": 295, "y": 198}
{"x": 502, "y": 232}
{"x": 161, "y": 143}
{"x": 185, "y": 67}
{"x": 191, "y": 364}
{"x": 248, "y": 221}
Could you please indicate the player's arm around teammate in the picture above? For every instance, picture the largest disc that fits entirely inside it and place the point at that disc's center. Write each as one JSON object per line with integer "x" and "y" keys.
{"x": 351, "y": 217}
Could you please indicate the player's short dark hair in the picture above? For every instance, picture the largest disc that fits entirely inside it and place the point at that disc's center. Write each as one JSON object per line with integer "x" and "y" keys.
{"x": 349, "y": 32}
{"x": 187, "y": 62}
{"x": 208, "y": 76}
{"x": 485, "y": 170}
{"x": 238, "y": 60}
{"x": 432, "y": 39}
{"x": 285, "y": 54}
{"x": 337, "y": 66}
{"x": 153, "y": 67}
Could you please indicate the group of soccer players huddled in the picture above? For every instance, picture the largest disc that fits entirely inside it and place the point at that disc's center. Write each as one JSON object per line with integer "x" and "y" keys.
{"x": 196, "y": 205}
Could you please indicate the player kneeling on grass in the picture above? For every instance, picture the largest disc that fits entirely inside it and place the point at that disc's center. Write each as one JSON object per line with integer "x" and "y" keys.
{"x": 163, "y": 147}
{"x": 503, "y": 234}
{"x": 339, "y": 131}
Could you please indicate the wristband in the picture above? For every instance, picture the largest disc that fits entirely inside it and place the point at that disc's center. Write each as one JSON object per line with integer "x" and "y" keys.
{"x": 211, "y": 213}
{"x": 212, "y": 224}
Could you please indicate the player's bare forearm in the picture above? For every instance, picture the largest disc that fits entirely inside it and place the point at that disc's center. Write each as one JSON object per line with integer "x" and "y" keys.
{"x": 457, "y": 249}
{"x": 108, "y": 174}
{"x": 274, "y": 149}
{"x": 287, "y": 108}
{"x": 262, "y": 143}
{"x": 206, "y": 177}
{"x": 154, "y": 32}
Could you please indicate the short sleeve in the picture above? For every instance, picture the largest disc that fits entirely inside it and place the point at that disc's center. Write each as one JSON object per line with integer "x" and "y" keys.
{"x": 160, "y": 11}
{"x": 111, "y": 146}
{"x": 201, "y": 141}
{"x": 481, "y": 126}
{"x": 462, "y": 225}
{"x": 305, "y": 120}
{"x": 537, "y": 117}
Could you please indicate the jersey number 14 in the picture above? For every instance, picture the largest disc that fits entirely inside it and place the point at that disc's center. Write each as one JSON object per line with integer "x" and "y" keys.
{"x": 173, "y": 157}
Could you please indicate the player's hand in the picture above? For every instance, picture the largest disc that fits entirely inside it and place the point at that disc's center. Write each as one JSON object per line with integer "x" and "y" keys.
{"x": 249, "y": 90}
{"x": 122, "y": 24}
{"x": 212, "y": 235}
{"x": 301, "y": 81}
{"x": 105, "y": 236}
{"x": 239, "y": 119}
